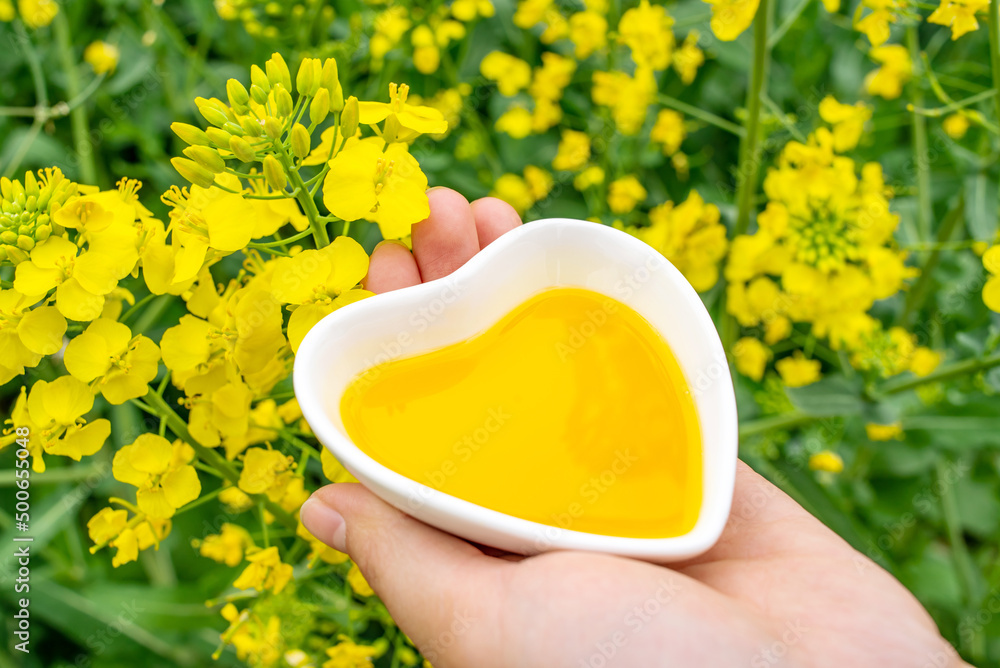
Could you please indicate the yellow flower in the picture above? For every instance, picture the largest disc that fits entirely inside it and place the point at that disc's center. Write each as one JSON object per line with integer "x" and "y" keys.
{"x": 387, "y": 188}
{"x": 592, "y": 176}
{"x": 101, "y": 56}
{"x": 884, "y": 432}
{"x": 26, "y": 334}
{"x": 121, "y": 364}
{"x": 510, "y": 73}
{"x": 959, "y": 14}
{"x": 228, "y": 546}
{"x": 426, "y": 55}
{"x": 162, "y": 473}
{"x": 991, "y": 290}
{"x": 522, "y": 192}
{"x": 924, "y": 361}
{"x": 690, "y": 235}
{"x": 877, "y": 23}
{"x": 588, "y": 30}
{"x": 81, "y": 281}
{"x": 628, "y": 97}
{"x": 346, "y": 654}
{"x": 689, "y": 57}
{"x": 468, "y": 10}
{"x": 648, "y": 32}
{"x": 826, "y": 461}
{"x": 531, "y": 12}
{"x": 574, "y": 151}
{"x": 539, "y": 182}
{"x": 318, "y": 549}
{"x": 54, "y": 411}
{"x": 358, "y": 582}
{"x": 797, "y": 371}
{"x": 668, "y": 131}
{"x": 265, "y": 572}
{"x": 731, "y": 17}
{"x": 549, "y": 80}
{"x": 319, "y": 282}
{"x": 625, "y": 193}
{"x": 897, "y": 68}
{"x": 390, "y": 26}
{"x": 37, "y": 13}
{"x": 516, "y": 121}
{"x": 112, "y": 528}
{"x": 7, "y": 13}
{"x": 235, "y": 499}
{"x": 751, "y": 357}
{"x": 261, "y": 470}
{"x": 334, "y": 470}
{"x": 848, "y": 121}
{"x": 417, "y": 119}
{"x": 956, "y": 125}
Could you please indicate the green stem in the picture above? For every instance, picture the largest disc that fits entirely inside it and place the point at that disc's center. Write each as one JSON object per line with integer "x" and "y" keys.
{"x": 916, "y": 296}
{"x": 306, "y": 199}
{"x": 210, "y": 456}
{"x": 701, "y": 115}
{"x": 749, "y": 158}
{"x": 925, "y": 210}
{"x": 787, "y": 23}
{"x": 946, "y": 372}
{"x": 993, "y": 20}
{"x": 83, "y": 149}
{"x": 765, "y": 424}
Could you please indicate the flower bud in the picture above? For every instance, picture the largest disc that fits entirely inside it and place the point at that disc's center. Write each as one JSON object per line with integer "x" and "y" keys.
{"x": 258, "y": 95}
{"x": 5, "y": 188}
{"x": 15, "y": 254}
{"x": 190, "y": 134}
{"x": 308, "y": 79}
{"x": 207, "y": 158}
{"x": 283, "y": 101}
{"x": 24, "y": 242}
{"x": 349, "y": 118}
{"x": 251, "y": 126}
{"x": 213, "y": 115}
{"x": 331, "y": 82}
{"x": 238, "y": 96}
{"x": 272, "y": 127}
{"x": 300, "y": 140}
{"x": 274, "y": 173}
{"x": 218, "y": 136}
{"x": 319, "y": 107}
{"x": 242, "y": 150}
{"x": 391, "y": 129}
{"x": 43, "y": 232}
{"x": 31, "y": 186}
{"x": 8, "y": 236}
{"x": 233, "y": 128}
{"x": 277, "y": 71}
{"x": 193, "y": 172}
{"x": 259, "y": 79}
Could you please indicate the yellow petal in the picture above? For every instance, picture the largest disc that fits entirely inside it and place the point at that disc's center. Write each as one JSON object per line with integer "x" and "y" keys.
{"x": 42, "y": 330}
{"x": 350, "y": 264}
{"x": 65, "y": 399}
{"x": 82, "y": 441}
{"x": 76, "y": 303}
{"x": 181, "y": 486}
{"x": 349, "y": 187}
{"x": 29, "y": 279}
{"x": 186, "y": 345}
{"x": 87, "y": 357}
{"x": 154, "y": 503}
{"x": 302, "y": 320}
{"x": 991, "y": 294}
{"x": 123, "y": 471}
{"x": 295, "y": 277}
{"x": 151, "y": 453}
{"x": 230, "y": 222}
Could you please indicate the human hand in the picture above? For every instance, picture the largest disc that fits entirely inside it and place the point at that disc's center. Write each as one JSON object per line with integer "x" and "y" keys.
{"x": 779, "y": 588}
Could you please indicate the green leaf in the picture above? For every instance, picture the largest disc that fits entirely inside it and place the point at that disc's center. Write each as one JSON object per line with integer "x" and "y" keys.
{"x": 981, "y": 206}
{"x": 833, "y": 395}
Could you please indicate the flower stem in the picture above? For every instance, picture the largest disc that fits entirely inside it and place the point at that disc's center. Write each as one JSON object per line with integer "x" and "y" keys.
{"x": 749, "y": 158}
{"x": 765, "y": 424}
{"x": 83, "y": 148}
{"x": 993, "y": 20}
{"x": 916, "y": 296}
{"x": 306, "y": 199}
{"x": 925, "y": 210}
{"x": 947, "y": 372}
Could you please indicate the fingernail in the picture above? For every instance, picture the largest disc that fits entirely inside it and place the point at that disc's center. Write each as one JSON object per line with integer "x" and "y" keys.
{"x": 436, "y": 188}
{"x": 391, "y": 241}
{"x": 325, "y": 523}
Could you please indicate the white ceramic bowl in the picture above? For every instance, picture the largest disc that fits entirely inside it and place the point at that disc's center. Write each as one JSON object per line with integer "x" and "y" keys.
{"x": 521, "y": 263}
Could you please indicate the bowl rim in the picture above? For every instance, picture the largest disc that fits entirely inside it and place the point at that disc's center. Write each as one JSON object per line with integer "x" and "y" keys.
{"x": 477, "y": 522}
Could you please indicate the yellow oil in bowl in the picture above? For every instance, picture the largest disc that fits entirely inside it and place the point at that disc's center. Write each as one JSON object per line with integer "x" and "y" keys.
{"x": 570, "y": 411}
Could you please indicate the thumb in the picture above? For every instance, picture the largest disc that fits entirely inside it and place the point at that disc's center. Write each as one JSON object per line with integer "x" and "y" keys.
{"x": 437, "y": 587}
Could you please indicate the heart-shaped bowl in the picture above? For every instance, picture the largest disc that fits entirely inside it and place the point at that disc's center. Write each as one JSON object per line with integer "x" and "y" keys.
{"x": 520, "y": 264}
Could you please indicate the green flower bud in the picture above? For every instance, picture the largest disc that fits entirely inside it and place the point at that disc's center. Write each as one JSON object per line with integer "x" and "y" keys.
{"x": 349, "y": 118}
{"x": 307, "y": 80}
{"x": 32, "y": 202}
{"x": 259, "y": 79}
{"x": 190, "y": 134}
{"x": 242, "y": 150}
{"x": 24, "y": 242}
{"x": 8, "y": 236}
{"x": 5, "y": 188}
{"x": 43, "y": 232}
{"x": 331, "y": 82}
{"x": 218, "y": 137}
{"x": 251, "y": 126}
{"x": 30, "y": 184}
{"x": 320, "y": 106}
{"x": 238, "y": 95}
{"x": 193, "y": 172}
{"x": 272, "y": 127}
{"x": 258, "y": 94}
{"x": 277, "y": 71}
{"x": 15, "y": 254}
{"x": 25, "y": 229}
{"x": 274, "y": 173}
{"x": 233, "y": 128}
{"x": 207, "y": 158}
{"x": 283, "y": 101}
{"x": 213, "y": 115}
{"x": 300, "y": 140}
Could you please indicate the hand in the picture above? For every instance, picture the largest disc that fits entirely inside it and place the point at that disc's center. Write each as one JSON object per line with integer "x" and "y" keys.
{"x": 779, "y": 588}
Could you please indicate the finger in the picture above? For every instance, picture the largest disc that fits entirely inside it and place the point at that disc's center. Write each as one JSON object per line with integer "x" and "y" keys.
{"x": 447, "y": 239}
{"x": 429, "y": 580}
{"x": 494, "y": 217}
{"x": 391, "y": 267}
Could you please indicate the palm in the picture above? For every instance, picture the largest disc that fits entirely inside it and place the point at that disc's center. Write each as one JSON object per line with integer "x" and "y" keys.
{"x": 779, "y": 588}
